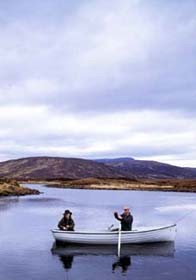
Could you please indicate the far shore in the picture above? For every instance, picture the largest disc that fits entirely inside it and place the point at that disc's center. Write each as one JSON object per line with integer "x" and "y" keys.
{"x": 174, "y": 185}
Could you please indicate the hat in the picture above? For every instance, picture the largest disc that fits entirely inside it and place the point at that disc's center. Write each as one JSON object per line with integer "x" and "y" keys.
{"x": 67, "y": 212}
{"x": 126, "y": 208}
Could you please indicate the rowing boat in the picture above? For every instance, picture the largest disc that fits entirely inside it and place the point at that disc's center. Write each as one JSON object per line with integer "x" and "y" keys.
{"x": 108, "y": 237}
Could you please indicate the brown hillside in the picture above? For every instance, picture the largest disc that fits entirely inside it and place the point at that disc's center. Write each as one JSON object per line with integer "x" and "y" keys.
{"x": 56, "y": 168}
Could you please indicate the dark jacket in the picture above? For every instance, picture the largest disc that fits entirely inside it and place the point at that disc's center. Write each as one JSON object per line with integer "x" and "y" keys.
{"x": 126, "y": 221}
{"x": 66, "y": 222}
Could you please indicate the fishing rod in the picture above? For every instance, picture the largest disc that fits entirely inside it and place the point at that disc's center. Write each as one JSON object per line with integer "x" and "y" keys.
{"x": 184, "y": 216}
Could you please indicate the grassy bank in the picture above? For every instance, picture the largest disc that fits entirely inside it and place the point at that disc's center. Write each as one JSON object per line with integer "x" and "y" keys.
{"x": 177, "y": 185}
{"x": 12, "y": 187}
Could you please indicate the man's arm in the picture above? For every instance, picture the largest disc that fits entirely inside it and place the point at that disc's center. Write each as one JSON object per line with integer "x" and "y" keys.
{"x": 118, "y": 217}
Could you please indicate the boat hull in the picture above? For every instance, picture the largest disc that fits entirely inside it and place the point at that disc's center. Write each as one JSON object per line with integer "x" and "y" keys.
{"x": 145, "y": 235}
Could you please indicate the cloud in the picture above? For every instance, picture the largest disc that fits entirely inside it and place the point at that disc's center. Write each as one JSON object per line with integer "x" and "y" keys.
{"x": 31, "y": 131}
{"x": 98, "y": 78}
{"x": 115, "y": 50}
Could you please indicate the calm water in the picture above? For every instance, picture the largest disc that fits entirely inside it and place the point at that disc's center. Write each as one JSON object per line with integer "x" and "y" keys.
{"x": 27, "y": 250}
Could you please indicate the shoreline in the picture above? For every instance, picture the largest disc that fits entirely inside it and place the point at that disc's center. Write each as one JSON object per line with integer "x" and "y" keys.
{"x": 13, "y": 188}
{"x": 174, "y": 185}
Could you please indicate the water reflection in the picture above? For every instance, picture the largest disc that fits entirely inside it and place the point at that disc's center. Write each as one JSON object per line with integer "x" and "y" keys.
{"x": 8, "y": 202}
{"x": 67, "y": 261}
{"x": 123, "y": 262}
{"x": 166, "y": 249}
{"x": 67, "y": 253}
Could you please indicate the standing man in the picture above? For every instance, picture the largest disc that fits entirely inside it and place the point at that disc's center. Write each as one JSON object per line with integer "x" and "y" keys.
{"x": 125, "y": 218}
{"x": 66, "y": 223}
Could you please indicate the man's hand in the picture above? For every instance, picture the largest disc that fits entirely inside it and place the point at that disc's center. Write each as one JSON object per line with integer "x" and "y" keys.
{"x": 116, "y": 215}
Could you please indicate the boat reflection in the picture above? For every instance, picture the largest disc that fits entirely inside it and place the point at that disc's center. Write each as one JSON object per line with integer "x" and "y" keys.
{"x": 67, "y": 253}
{"x": 152, "y": 249}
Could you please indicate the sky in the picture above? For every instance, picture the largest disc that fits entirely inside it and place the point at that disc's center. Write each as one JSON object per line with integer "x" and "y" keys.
{"x": 97, "y": 79}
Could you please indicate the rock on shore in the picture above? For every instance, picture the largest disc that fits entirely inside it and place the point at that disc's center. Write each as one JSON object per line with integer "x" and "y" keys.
{"x": 12, "y": 187}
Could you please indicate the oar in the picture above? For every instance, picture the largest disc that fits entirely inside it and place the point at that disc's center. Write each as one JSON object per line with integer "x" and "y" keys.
{"x": 119, "y": 239}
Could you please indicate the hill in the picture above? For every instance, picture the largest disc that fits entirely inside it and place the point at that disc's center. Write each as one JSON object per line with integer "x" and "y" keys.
{"x": 51, "y": 168}
{"x": 56, "y": 168}
{"x": 150, "y": 169}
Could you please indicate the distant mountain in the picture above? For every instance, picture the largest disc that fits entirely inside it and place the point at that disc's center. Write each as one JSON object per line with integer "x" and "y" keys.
{"x": 114, "y": 160}
{"x": 48, "y": 168}
{"x": 149, "y": 169}
{"x": 56, "y": 168}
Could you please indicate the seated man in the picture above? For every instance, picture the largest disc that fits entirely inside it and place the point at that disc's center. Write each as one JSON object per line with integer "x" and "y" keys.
{"x": 66, "y": 223}
{"x": 125, "y": 218}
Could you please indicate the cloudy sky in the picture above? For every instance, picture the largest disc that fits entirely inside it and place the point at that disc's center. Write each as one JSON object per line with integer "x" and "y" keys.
{"x": 94, "y": 78}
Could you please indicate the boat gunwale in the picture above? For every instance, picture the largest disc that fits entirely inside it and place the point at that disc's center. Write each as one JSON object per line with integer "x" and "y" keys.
{"x": 111, "y": 232}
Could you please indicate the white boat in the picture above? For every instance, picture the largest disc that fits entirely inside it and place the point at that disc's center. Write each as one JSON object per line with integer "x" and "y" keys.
{"x": 107, "y": 237}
